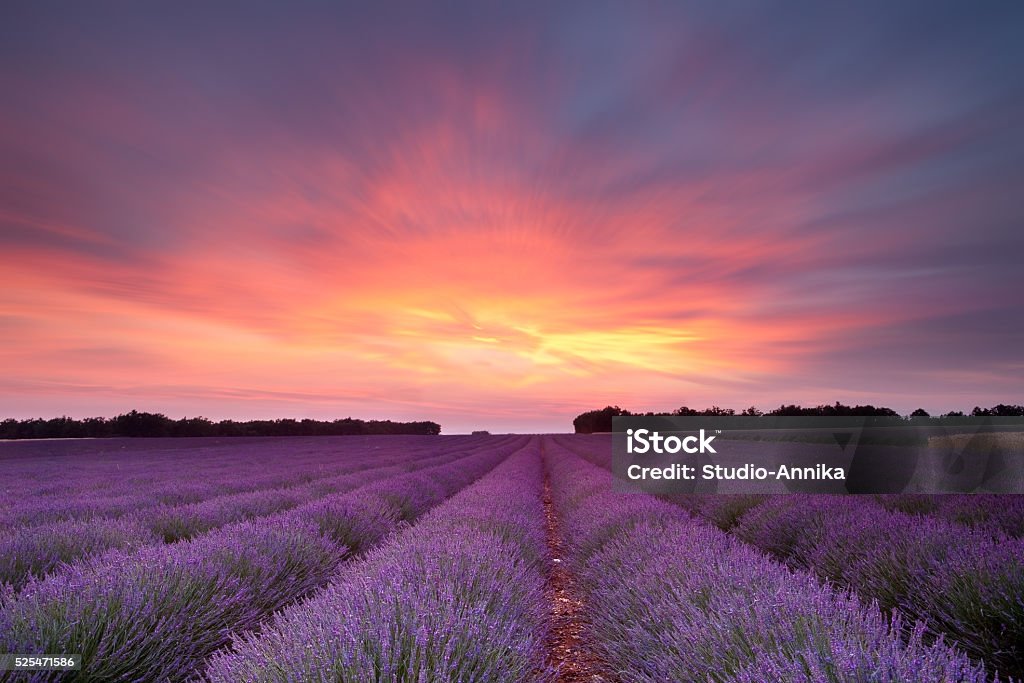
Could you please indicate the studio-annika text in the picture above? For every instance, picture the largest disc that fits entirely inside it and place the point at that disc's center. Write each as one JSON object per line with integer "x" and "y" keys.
{"x": 645, "y": 441}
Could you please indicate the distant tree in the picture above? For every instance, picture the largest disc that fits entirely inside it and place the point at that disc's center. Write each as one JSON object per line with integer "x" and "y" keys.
{"x": 601, "y": 420}
{"x": 835, "y": 410}
{"x": 1003, "y": 410}
{"x": 715, "y": 411}
{"x": 597, "y": 420}
{"x": 686, "y": 412}
{"x": 920, "y": 412}
{"x": 141, "y": 424}
{"x": 97, "y": 427}
{"x": 787, "y": 411}
{"x": 9, "y": 428}
{"x": 194, "y": 426}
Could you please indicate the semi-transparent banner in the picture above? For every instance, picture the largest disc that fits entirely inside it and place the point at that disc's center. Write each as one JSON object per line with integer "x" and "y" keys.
{"x": 739, "y": 454}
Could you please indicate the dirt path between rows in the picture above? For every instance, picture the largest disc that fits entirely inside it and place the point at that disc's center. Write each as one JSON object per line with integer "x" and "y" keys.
{"x": 567, "y": 649}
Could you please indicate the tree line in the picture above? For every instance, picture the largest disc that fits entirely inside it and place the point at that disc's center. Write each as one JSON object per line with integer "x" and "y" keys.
{"x": 141, "y": 424}
{"x": 601, "y": 420}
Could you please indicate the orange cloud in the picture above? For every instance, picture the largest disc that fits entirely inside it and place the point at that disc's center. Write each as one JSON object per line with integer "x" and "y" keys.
{"x": 501, "y": 224}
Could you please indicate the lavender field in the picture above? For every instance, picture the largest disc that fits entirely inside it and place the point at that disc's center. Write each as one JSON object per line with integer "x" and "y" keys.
{"x": 482, "y": 558}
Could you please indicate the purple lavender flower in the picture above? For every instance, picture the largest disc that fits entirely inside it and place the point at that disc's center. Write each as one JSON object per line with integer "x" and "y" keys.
{"x": 156, "y": 612}
{"x": 458, "y": 597}
{"x": 675, "y": 599}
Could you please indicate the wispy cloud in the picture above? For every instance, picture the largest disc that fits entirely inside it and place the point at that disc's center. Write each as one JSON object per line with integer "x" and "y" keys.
{"x": 505, "y": 216}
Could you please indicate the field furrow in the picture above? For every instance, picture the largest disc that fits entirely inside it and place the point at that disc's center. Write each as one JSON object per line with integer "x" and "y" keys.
{"x": 457, "y": 597}
{"x": 156, "y": 613}
{"x": 964, "y": 584}
{"x": 995, "y": 513}
{"x": 675, "y": 599}
{"x": 39, "y": 549}
{"x": 272, "y": 466}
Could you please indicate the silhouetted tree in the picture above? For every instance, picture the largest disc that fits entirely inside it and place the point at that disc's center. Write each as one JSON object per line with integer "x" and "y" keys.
{"x": 141, "y": 424}
{"x": 715, "y": 411}
{"x": 597, "y": 420}
{"x": 601, "y": 420}
{"x": 1003, "y": 410}
{"x": 686, "y": 412}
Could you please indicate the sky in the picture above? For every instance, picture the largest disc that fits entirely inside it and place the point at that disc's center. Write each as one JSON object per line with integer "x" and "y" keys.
{"x": 500, "y": 215}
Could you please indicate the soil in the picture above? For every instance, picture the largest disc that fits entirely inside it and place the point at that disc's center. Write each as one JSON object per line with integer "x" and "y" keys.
{"x": 567, "y": 648}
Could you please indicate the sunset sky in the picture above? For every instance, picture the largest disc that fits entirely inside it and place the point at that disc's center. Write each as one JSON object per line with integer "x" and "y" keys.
{"x": 497, "y": 216}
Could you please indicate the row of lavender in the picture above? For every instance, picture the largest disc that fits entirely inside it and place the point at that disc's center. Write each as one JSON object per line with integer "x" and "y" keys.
{"x": 996, "y": 515}
{"x": 993, "y": 512}
{"x": 33, "y": 551}
{"x": 157, "y": 612}
{"x": 965, "y": 584}
{"x": 69, "y": 468}
{"x": 672, "y": 598}
{"x": 110, "y": 493}
{"x": 75, "y": 490}
{"x": 458, "y": 597}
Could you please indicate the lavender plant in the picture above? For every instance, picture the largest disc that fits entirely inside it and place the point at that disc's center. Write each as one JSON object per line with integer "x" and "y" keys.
{"x": 965, "y": 583}
{"x": 963, "y": 580}
{"x": 458, "y": 597}
{"x": 42, "y": 548}
{"x": 672, "y": 598}
{"x": 156, "y": 613}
